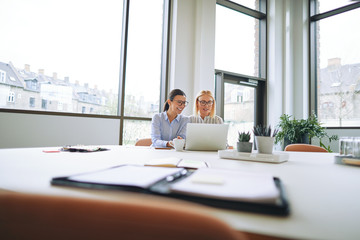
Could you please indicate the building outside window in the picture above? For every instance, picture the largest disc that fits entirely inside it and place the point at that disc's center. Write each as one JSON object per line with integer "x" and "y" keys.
{"x": 335, "y": 62}
{"x": 240, "y": 54}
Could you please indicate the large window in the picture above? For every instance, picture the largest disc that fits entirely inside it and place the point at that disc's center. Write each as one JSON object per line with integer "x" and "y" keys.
{"x": 85, "y": 57}
{"x": 143, "y": 67}
{"x": 335, "y": 62}
{"x": 68, "y": 49}
{"x": 240, "y": 60}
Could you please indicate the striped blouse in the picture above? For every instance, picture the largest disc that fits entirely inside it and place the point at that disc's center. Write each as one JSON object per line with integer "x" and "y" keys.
{"x": 213, "y": 120}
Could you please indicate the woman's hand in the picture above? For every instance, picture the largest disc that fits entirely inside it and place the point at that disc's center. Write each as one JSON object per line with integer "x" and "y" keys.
{"x": 170, "y": 144}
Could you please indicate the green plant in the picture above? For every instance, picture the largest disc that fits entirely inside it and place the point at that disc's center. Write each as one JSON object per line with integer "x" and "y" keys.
{"x": 294, "y": 130}
{"x": 265, "y": 131}
{"x": 244, "y": 136}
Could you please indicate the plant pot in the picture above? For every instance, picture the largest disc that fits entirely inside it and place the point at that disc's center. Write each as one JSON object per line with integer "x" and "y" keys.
{"x": 265, "y": 144}
{"x": 244, "y": 146}
{"x": 303, "y": 139}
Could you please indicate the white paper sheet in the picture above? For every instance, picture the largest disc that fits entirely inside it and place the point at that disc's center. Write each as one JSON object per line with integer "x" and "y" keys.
{"x": 129, "y": 175}
{"x": 230, "y": 185}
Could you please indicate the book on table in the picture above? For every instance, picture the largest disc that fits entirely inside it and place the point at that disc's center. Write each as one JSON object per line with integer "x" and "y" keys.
{"x": 253, "y": 192}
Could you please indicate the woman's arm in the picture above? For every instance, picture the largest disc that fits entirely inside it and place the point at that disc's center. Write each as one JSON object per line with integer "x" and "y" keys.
{"x": 156, "y": 132}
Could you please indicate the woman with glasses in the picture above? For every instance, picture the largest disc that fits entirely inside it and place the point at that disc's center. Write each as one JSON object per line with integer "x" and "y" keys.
{"x": 205, "y": 109}
{"x": 170, "y": 124}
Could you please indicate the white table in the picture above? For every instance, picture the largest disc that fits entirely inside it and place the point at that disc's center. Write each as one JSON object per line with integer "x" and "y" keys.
{"x": 324, "y": 197}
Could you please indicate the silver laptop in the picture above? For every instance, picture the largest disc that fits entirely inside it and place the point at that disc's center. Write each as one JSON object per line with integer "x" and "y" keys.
{"x": 206, "y": 137}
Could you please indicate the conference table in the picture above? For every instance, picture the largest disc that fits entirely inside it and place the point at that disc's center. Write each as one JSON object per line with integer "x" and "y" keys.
{"x": 324, "y": 197}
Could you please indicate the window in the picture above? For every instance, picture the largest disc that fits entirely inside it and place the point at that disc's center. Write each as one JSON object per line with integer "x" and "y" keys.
{"x": 145, "y": 64}
{"x": 240, "y": 53}
{"x": 110, "y": 64}
{"x": 44, "y": 103}
{"x": 335, "y": 62}
{"x": 2, "y": 76}
{"x": 31, "y": 102}
{"x": 11, "y": 97}
{"x": 65, "y": 47}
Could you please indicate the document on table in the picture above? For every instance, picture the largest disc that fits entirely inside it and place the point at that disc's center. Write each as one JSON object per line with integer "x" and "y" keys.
{"x": 176, "y": 162}
{"x": 129, "y": 175}
{"x": 229, "y": 185}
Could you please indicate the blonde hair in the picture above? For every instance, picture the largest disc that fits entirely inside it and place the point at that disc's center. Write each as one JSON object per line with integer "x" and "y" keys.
{"x": 202, "y": 93}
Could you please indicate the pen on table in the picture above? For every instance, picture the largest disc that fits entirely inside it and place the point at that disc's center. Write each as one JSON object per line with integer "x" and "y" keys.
{"x": 177, "y": 175}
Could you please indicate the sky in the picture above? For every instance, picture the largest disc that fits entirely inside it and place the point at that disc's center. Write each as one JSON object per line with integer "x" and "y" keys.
{"x": 340, "y": 37}
{"x": 43, "y": 34}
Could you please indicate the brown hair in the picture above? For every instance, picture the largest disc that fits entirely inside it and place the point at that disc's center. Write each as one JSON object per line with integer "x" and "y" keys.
{"x": 202, "y": 93}
{"x": 172, "y": 95}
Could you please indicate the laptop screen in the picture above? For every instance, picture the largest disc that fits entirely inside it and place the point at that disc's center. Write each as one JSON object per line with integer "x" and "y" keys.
{"x": 206, "y": 137}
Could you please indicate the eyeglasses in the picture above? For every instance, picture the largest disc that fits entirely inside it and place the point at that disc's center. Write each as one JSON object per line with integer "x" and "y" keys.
{"x": 203, "y": 103}
{"x": 180, "y": 103}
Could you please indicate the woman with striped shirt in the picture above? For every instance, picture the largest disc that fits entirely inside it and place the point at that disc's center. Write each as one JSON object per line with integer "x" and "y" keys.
{"x": 205, "y": 109}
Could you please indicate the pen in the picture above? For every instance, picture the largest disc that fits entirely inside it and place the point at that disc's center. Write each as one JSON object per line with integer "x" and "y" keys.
{"x": 177, "y": 175}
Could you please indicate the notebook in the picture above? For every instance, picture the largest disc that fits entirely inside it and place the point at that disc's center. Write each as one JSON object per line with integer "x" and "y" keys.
{"x": 206, "y": 137}
{"x": 252, "y": 192}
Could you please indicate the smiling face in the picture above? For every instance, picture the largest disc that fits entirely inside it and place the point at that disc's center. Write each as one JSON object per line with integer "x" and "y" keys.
{"x": 177, "y": 105}
{"x": 205, "y": 104}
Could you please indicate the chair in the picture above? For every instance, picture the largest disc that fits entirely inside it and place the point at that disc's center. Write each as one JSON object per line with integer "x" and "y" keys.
{"x": 304, "y": 148}
{"x": 40, "y": 217}
{"x": 143, "y": 142}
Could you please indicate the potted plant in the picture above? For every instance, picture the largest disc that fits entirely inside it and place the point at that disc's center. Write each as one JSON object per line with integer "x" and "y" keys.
{"x": 244, "y": 144}
{"x": 301, "y": 131}
{"x": 264, "y": 138}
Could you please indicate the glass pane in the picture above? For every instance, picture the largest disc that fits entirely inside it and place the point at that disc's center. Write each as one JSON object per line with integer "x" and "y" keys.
{"x": 339, "y": 70}
{"x": 134, "y": 130}
{"x": 253, "y": 4}
{"x": 143, "y": 69}
{"x": 327, "y": 5}
{"x": 238, "y": 110}
{"x": 236, "y": 42}
{"x": 59, "y": 56}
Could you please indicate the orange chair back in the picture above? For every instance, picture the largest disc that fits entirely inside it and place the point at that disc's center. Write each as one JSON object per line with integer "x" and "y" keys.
{"x": 304, "y": 148}
{"x": 143, "y": 142}
{"x": 40, "y": 217}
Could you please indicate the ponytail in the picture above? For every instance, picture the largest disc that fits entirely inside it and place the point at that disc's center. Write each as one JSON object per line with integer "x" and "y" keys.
{"x": 166, "y": 106}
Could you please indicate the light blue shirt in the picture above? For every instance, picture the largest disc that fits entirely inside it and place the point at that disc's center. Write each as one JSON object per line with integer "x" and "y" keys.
{"x": 163, "y": 131}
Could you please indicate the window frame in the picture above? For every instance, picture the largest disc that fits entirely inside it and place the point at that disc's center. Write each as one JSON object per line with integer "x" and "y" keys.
{"x": 313, "y": 19}
{"x": 260, "y": 82}
{"x": 123, "y": 57}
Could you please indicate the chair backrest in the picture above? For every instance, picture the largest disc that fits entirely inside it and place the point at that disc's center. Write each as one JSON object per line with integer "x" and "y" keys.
{"x": 143, "y": 142}
{"x": 304, "y": 148}
{"x": 25, "y": 216}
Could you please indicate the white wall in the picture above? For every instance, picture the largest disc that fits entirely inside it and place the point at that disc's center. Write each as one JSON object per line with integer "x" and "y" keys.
{"x": 193, "y": 48}
{"x": 32, "y": 130}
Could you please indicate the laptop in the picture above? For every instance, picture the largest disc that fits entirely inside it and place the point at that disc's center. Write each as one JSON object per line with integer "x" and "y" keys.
{"x": 206, "y": 137}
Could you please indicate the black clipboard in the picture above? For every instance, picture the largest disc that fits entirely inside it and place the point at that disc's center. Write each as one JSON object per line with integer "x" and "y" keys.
{"x": 163, "y": 188}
